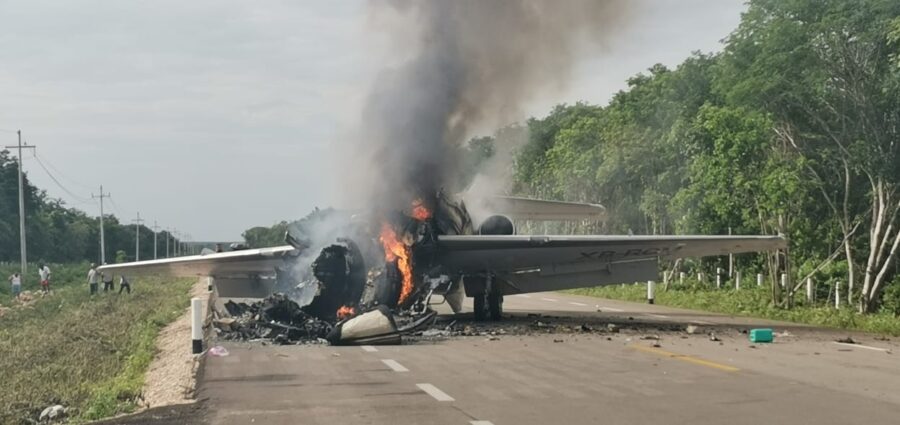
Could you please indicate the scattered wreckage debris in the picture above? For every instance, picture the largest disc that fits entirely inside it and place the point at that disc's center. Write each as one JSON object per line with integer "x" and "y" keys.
{"x": 53, "y": 413}
{"x": 282, "y": 321}
{"x": 218, "y": 351}
{"x": 276, "y": 318}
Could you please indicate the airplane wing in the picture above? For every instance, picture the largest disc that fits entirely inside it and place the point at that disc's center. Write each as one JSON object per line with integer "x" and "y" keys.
{"x": 542, "y": 263}
{"x": 249, "y": 263}
{"x": 537, "y": 209}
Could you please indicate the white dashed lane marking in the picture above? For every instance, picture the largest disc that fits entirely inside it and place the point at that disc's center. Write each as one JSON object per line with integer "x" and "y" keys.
{"x": 524, "y": 296}
{"x": 396, "y": 367}
{"x": 481, "y": 422}
{"x": 435, "y": 392}
{"x": 578, "y": 304}
{"x": 368, "y": 348}
{"x": 549, "y": 299}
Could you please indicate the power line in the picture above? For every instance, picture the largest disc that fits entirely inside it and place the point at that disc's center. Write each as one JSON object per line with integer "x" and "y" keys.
{"x": 64, "y": 175}
{"x": 116, "y": 208}
{"x": 81, "y": 199}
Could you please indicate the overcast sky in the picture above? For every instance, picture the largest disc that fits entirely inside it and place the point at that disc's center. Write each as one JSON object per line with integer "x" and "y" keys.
{"x": 215, "y": 116}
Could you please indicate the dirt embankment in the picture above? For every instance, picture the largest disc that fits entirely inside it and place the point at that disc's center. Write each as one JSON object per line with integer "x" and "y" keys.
{"x": 171, "y": 378}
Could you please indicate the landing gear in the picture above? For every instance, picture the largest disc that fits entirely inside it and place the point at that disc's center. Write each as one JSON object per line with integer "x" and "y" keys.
{"x": 480, "y": 307}
{"x": 495, "y": 305}
{"x": 488, "y": 305}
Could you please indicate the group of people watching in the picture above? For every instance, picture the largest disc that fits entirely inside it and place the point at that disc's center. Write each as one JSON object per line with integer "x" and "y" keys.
{"x": 15, "y": 281}
{"x": 94, "y": 277}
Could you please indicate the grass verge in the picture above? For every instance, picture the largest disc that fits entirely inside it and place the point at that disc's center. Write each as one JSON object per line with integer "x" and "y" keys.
{"x": 753, "y": 302}
{"x": 86, "y": 353}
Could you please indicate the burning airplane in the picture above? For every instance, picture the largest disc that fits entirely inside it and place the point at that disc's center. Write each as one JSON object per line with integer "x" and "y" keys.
{"x": 432, "y": 252}
{"x": 460, "y": 66}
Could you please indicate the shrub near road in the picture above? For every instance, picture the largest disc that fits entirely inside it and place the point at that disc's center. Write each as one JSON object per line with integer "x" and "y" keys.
{"x": 89, "y": 355}
{"x": 753, "y": 302}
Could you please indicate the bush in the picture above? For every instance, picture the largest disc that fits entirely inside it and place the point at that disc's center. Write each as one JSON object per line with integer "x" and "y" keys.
{"x": 890, "y": 301}
{"x": 756, "y": 301}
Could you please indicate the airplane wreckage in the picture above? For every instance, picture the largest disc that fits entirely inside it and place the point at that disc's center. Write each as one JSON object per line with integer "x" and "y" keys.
{"x": 349, "y": 280}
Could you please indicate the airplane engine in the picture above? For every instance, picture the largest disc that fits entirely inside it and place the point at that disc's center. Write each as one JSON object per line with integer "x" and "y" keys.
{"x": 497, "y": 225}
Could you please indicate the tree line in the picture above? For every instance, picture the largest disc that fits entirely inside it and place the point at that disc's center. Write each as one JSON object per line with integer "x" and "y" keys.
{"x": 58, "y": 233}
{"x": 793, "y": 128}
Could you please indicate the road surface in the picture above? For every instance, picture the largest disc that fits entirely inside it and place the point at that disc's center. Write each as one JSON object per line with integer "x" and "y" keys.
{"x": 651, "y": 371}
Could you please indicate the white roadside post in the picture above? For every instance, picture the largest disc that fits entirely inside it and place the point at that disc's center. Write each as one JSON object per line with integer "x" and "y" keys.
{"x": 700, "y": 278}
{"x": 718, "y": 278}
{"x": 837, "y": 294}
{"x": 759, "y": 279}
{"x": 209, "y": 282}
{"x": 810, "y": 294}
{"x": 783, "y": 280}
{"x": 681, "y": 279}
{"x": 650, "y": 291}
{"x": 737, "y": 279}
{"x": 196, "y": 325}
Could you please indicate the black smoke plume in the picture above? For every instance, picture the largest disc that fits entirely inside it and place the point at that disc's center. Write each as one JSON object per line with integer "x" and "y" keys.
{"x": 468, "y": 64}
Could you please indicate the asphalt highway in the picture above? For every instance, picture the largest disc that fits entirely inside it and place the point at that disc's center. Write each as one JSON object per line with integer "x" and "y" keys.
{"x": 650, "y": 371}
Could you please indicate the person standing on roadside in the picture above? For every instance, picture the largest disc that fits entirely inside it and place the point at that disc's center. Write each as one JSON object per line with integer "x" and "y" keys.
{"x": 93, "y": 278}
{"x": 124, "y": 284}
{"x": 44, "y": 273}
{"x": 108, "y": 285}
{"x": 16, "y": 281}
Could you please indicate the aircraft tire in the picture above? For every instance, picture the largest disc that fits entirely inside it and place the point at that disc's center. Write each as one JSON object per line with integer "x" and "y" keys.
{"x": 495, "y": 306}
{"x": 480, "y": 307}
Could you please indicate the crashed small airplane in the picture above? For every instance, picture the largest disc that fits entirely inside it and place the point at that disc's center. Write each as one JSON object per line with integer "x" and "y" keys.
{"x": 340, "y": 266}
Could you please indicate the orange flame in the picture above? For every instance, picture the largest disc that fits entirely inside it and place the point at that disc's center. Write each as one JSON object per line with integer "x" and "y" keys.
{"x": 419, "y": 211}
{"x": 345, "y": 312}
{"x": 394, "y": 249}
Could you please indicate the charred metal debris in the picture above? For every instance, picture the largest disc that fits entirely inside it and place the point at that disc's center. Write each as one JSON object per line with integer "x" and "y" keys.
{"x": 368, "y": 283}
{"x": 282, "y": 321}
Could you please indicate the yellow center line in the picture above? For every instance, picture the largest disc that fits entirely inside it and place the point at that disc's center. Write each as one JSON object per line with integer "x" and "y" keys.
{"x": 684, "y": 357}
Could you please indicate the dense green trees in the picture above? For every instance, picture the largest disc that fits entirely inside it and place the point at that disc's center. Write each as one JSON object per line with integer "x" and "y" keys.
{"x": 794, "y": 128}
{"x": 261, "y": 237}
{"x": 57, "y": 233}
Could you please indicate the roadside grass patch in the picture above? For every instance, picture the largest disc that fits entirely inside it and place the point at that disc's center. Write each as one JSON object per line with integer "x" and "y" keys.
{"x": 753, "y": 302}
{"x": 87, "y": 354}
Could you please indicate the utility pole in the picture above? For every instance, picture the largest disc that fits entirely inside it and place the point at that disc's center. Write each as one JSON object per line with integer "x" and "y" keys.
{"x": 137, "y": 237}
{"x": 22, "y": 244}
{"x": 102, "y": 236}
{"x": 155, "y": 231}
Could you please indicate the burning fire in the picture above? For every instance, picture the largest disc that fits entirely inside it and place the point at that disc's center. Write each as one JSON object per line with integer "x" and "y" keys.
{"x": 397, "y": 250}
{"x": 394, "y": 249}
{"x": 345, "y": 312}
{"x": 419, "y": 211}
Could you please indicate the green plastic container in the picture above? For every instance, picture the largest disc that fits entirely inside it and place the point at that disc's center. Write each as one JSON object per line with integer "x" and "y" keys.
{"x": 760, "y": 335}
